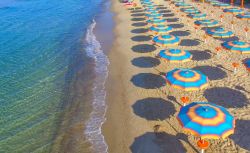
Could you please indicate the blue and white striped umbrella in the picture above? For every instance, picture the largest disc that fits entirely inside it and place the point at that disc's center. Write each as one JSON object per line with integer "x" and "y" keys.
{"x": 187, "y": 79}
{"x": 175, "y": 55}
{"x": 219, "y": 33}
{"x": 207, "y": 23}
{"x": 237, "y": 46}
{"x": 206, "y": 120}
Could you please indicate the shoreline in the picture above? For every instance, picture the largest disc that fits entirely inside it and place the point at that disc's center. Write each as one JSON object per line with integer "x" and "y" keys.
{"x": 80, "y": 116}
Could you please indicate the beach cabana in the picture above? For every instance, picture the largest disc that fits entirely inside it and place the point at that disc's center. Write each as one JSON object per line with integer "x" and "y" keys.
{"x": 175, "y": 55}
{"x": 160, "y": 29}
{"x": 166, "y": 40}
{"x": 207, "y": 23}
{"x": 187, "y": 79}
{"x": 237, "y": 46}
{"x": 206, "y": 120}
{"x": 219, "y": 33}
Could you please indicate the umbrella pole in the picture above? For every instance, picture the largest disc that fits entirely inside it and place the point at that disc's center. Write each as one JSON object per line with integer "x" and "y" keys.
{"x": 202, "y": 144}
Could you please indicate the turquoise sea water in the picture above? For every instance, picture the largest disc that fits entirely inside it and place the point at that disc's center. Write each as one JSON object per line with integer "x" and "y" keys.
{"x": 40, "y": 41}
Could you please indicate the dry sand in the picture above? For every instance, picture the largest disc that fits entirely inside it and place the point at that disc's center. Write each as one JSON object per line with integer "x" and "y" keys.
{"x": 138, "y": 97}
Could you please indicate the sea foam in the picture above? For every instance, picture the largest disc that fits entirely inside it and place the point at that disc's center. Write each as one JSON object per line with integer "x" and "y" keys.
{"x": 97, "y": 117}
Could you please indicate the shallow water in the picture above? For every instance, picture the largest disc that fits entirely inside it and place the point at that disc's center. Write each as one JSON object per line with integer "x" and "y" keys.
{"x": 40, "y": 44}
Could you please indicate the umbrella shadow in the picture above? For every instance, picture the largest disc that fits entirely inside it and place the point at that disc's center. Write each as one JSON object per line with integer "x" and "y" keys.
{"x": 213, "y": 73}
{"x": 226, "y": 97}
{"x": 145, "y": 62}
{"x": 143, "y": 48}
{"x": 141, "y": 38}
{"x": 153, "y": 108}
{"x": 168, "y": 14}
{"x": 162, "y": 8}
{"x": 234, "y": 38}
{"x": 139, "y": 24}
{"x": 172, "y": 19}
{"x": 138, "y": 14}
{"x": 138, "y": 19}
{"x": 241, "y": 135}
{"x": 157, "y": 143}
{"x": 176, "y": 25}
{"x": 190, "y": 42}
{"x": 173, "y": 99}
{"x": 184, "y": 137}
{"x": 200, "y": 55}
{"x": 164, "y": 11}
{"x": 148, "y": 80}
{"x": 139, "y": 30}
{"x": 137, "y": 8}
{"x": 180, "y": 33}
{"x": 137, "y": 11}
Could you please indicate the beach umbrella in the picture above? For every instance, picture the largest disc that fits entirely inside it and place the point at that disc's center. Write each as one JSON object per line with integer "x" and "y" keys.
{"x": 222, "y": 5}
{"x": 233, "y": 10}
{"x": 166, "y": 40}
{"x": 190, "y": 10}
{"x": 175, "y": 55}
{"x": 160, "y": 29}
{"x": 178, "y": 1}
{"x": 237, "y": 46}
{"x": 183, "y": 5}
{"x": 247, "y": 64}
{"x": 219, "y": 33}
{"x": 211, "y": 1}
{"x": 152, "y": 12}
{"x": 147, "y": 2}
{"x": 207, "y": 23}
{"x": 214, "y": 2}
{"x": 150, "y": 9}
{"x": 187, "y": 79}
{"x": 197, "y": 16}
{"x": 153, "y": 15}
{"x": 244, "y": 16}
{"x": 206, "y": 120}
{"x": 156, "y": 21}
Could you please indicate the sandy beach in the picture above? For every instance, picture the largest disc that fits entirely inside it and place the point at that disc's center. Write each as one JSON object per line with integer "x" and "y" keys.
{"x": 138, "y": 97}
